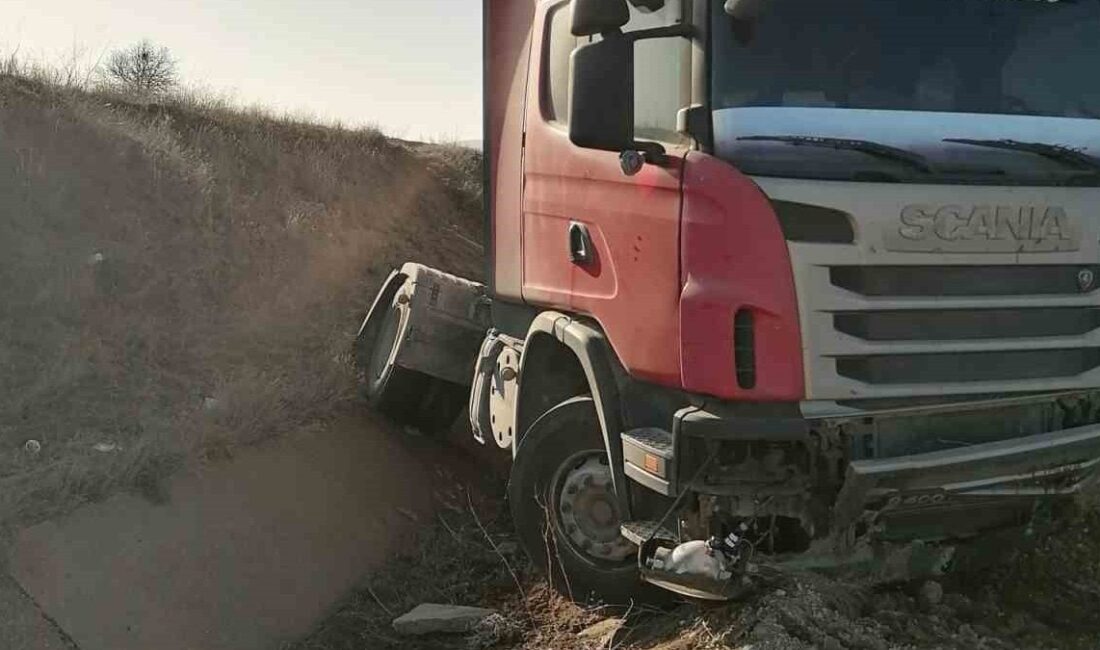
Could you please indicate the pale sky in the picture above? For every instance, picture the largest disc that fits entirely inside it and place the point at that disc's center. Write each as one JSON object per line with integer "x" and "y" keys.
{"x": 412, "y": 67}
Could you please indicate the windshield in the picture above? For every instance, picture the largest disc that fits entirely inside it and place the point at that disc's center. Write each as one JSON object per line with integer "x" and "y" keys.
{"x": 1030, "y": 57}
{"x": 953, "y": 91}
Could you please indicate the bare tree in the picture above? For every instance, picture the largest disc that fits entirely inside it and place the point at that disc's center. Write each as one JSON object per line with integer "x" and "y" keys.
{"x": 143, "y": 67}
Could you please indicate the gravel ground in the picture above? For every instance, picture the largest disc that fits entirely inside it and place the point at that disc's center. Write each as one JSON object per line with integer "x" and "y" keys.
{"x": 1046, "y": 598}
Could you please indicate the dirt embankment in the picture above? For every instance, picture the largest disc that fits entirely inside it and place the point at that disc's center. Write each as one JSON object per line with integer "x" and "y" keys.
{"x": 180, "y": 279}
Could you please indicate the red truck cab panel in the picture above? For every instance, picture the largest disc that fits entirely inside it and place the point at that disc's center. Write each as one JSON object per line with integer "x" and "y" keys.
{"x": 677, "y": 249}
{"x": 735, "y": 257}
{"x": 632, "y": 285}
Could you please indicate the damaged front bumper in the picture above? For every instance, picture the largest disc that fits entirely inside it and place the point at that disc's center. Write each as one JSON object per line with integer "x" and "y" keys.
{"x": 896, "y": 517}
{"x": 957, "y": 487}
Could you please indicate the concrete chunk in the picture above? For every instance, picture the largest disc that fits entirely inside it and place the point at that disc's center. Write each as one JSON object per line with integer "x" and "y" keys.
{"x": 429, "y": 618}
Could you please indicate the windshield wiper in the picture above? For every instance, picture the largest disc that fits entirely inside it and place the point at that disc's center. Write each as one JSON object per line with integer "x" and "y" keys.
{"x": 1055, "y": 152}
{"x": 879, "y": 150}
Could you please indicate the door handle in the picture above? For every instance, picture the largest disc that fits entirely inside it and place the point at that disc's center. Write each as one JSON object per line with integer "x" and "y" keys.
{"x": 580, "y": 244}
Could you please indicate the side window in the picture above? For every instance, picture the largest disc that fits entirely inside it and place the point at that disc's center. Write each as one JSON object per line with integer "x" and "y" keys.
{"x": 560, "y": 43}
{"x": 660, "y": 71}
{"x": 660, "y": 74}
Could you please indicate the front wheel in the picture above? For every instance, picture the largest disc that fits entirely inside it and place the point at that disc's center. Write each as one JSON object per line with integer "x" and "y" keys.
{"x": 565, "y": 509}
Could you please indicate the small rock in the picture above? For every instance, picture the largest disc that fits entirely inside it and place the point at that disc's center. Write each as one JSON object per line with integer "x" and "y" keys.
{"x": 106, "y": 447}
{"x": 603, "y": 632}
{"x": 931, "y": 594}
{"x": 429, "y": 618}
{"x": 97, "y": 258}
{"x": 780, "y": 593}
{"x": 210, "y": 403}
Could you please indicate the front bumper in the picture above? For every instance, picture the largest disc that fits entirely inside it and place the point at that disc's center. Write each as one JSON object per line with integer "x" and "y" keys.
{"x": 944, "y": 494}
{"x": 962, "y": 491}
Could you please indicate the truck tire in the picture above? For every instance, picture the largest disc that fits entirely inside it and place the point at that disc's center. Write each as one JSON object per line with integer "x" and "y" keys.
{"x": 406, "y": 396}
{"x": 564, "y": 509}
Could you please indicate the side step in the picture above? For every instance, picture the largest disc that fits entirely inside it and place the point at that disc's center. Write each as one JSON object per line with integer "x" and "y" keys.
{"x": 649, "y": 459}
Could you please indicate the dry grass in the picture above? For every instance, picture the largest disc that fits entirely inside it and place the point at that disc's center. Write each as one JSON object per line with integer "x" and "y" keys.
{"x": 181, "y": 277}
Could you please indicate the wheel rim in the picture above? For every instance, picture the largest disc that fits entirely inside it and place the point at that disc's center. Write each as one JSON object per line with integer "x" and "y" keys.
{"x": 586, "y": 510}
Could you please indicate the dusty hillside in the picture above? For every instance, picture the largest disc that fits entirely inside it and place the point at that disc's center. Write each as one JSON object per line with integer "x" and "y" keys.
{"x": 179, "y": 279}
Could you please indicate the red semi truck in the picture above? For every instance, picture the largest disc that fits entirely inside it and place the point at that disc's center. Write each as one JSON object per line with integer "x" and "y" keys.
{"x": 771, "y": 282}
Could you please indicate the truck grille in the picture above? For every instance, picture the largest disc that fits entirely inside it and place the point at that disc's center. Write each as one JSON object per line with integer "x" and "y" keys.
{"x": 911, "y": 330}
{"x": 961, "y": 324}
{"x": 974, "y": 366}
{"x": 883, "y": 324}
{"x": 959, "y": 280}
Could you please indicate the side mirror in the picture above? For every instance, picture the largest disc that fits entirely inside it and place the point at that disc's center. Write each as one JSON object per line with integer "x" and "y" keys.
{"x": 592, "y": 17}
{"x": 601, "y": 101}
{"x": 601, "y": 104}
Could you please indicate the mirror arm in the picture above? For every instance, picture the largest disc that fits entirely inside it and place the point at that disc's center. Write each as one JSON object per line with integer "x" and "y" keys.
{"x": 653, "y": 152}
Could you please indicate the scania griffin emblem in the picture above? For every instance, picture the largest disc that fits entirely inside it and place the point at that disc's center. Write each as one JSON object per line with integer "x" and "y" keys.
{"x": 1085, "y": 279}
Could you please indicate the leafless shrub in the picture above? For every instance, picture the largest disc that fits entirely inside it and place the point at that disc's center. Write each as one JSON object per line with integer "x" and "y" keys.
{"x": 144, "y": 68}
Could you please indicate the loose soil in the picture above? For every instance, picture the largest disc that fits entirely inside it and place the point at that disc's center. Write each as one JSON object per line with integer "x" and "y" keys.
{"x": 1046, "y": 599}
{"x": 240, "y": 555}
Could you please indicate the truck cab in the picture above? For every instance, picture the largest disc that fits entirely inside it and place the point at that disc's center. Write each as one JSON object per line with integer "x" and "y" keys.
{"x": 771, "y": 283}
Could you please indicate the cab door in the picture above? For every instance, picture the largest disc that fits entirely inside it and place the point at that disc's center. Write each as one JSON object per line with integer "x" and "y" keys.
{"x": 595, "y": 241}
